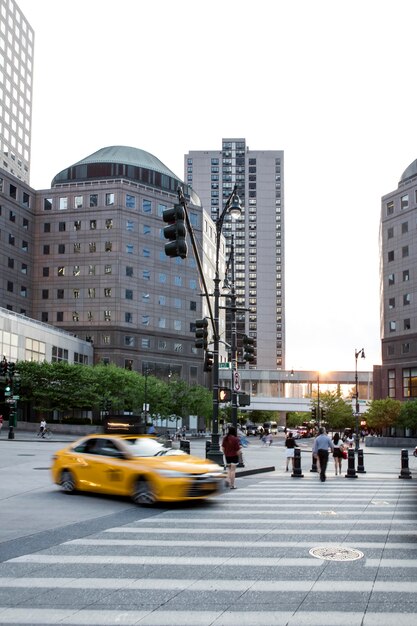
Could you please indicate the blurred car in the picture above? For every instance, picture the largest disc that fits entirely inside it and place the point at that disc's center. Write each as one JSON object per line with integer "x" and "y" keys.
{"x": 303, "y": 432}
{"x": 254, "y": 429}
{"x": 282, "y": 429}
{"x": 137, "y": 466}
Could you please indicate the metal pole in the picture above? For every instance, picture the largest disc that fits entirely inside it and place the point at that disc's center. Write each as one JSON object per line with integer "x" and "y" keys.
{"x": 356, "y": 403}
{"x": 234, "y": 334}
{"x": 318, "y": 399}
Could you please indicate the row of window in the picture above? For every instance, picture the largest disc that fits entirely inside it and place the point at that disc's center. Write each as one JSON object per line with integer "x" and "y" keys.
{"x": 404, "y": 203}
{"x": 92, "y": 292}
{"x": 107, "y": 316}
{"x": 405, "y": 252}
{"x": 409, "y": 382}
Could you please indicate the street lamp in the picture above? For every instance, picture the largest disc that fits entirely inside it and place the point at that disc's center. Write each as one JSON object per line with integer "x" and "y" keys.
{"x": 233, "y": 207}
{"x": 233, "y": 344}
{"x": 358, "y": 353}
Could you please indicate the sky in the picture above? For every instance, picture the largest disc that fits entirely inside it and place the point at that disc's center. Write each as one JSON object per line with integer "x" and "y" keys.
{"x": 330, "y": 82}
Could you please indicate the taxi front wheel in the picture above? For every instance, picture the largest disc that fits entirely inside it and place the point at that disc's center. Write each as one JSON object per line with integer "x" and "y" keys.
{"x": 67, "y": 482}
{"x": 143, "y": 492}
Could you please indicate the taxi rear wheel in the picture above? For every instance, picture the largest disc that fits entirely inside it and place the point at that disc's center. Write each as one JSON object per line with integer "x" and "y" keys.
{"x": 143, "y": 492}
{"x": 67, "y": 481}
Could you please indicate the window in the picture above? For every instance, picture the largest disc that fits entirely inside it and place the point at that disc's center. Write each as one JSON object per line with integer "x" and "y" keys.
{"x": 24, "y": 268}
{"x": 91, "y": 292}
{"x": 61, "y": 248}
{"x": 162, "y": 300}
{"x": 407, "y": 324}
{"x": 109, "y": 199}
{"x": 390, "y": 256}
{"x": 108, "y": 246}
{"x": 60, "y": 294}
{"x": 47, "y": 227}
{"x": 390, "y": 207}
{"x": 146, "y": 275}
{"x": 404, "y": 202}
{"x": 93, "y": 200}
{"x": 129, "y": 294}
{"x": 177, "y": 325}
{"x": 178, "y": 347}
{"x": 162, "y": 322}
{"x": 91, "y": 270}
{"x": 63, "y": 204}
{"x": 107, "y": 292}
{"x": 59, "y": 354}
{"x": 146, "y": 206}
{"x": 11, "y": 239}
{"x": 45, "y": 272}
{"x": 47, "y": 204}
{"x": 128, "y": 364}
{"x": 162, "y": 344}
{"x": 193, "y": 305}
{"x": 404, "y": 228}
{"x": 45, "y": 294}
{"x": 178, "y": 281}
{"x": 93, "y": 224}
{"x": 146, "y": 229}
{"x": 410, "y": 382}
{"x": 391, "y": 303}
{"x": 128, "y": 318}
{"x": 392, "y": 327}
{"x": 391, "y": 383}
{"x": 177, "y": 303}
{"x": 146, "y": 252}
{"x": 77, "y": 225}
{"x": 109, "y": 224}
{"x": 406, "y": 299}
{"x": 406, "y": 275}
{"x": 61, "y": 227}
{"x": 129, "y": 270}
{"x": 162, "y": 278}
{"x": 12, "y": 216}
{"x": 129, "y": 248}
{"x": 76, "y": 293}
{"x": 107, "y": 316}
{"x": 76, "y": 270}
{"x": 390, "y": 233}
{"x": 61, "y": 270}
{"x": 145, "y": 320}
{"x": 405, "y": 251}
{"x": 77, "y": 247}
{"x": 60, "y": 316}
{"x": 130, "y": 226}
{"x": 391, "y": 279}
{"x": 129, "y": 341}
{"x": 10, "y": 263}
{"x": 107, "y": 269}
{"x": 44, "y": 316}
{"x": 78, "y": 202}
{"x": 405, "y": 348}
{"x": 92, "y": 246}
{"x": 130, "y": 201}
{"x": 25, "y": 246}
{"x": 145, "y": 342}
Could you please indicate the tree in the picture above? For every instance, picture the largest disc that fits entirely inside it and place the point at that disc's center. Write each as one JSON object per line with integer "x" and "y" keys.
{"x": 383, "y": 413}
{"x": 337, "y": 411}
{"x": 408, "y": 415}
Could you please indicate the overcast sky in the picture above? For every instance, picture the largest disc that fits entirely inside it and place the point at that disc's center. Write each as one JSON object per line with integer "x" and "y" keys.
{"x": 330, "y": 82}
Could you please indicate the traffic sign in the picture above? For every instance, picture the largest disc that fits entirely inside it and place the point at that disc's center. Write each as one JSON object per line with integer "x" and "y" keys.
{"x": 16, "y": 397}
{"x": 224, "y": 366}
{"x": 236, "y": 381}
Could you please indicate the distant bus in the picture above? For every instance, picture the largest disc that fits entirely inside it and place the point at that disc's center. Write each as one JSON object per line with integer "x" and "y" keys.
{"x": 272, "y": 427}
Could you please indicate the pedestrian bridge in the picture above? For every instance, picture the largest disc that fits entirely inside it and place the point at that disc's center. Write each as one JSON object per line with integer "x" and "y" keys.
{"x": 290, "y": 390}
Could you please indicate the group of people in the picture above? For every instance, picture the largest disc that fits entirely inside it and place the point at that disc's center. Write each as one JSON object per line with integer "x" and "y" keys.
{"x": 323, "y": 443}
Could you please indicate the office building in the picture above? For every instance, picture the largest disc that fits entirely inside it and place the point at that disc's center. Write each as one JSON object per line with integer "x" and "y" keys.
{"x": 397, "y": 376}
{"x": 258, "y": 237}
{"x": 16, "y": 72}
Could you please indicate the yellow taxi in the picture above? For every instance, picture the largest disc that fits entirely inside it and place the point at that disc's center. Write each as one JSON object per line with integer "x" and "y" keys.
{"x": 136, "y": 466}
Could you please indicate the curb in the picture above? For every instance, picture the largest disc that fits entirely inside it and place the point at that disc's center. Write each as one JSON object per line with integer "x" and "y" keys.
{"x": 258, "y": 470}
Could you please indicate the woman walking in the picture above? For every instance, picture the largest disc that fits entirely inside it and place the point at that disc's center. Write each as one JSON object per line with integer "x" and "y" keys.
{"x": 231, "y": 449}
{"x": 337, "y": 453}
{"x": 290, "y": 444}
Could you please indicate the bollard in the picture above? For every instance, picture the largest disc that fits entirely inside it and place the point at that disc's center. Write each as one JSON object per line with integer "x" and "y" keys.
{"x": 208, "y": 446}
{"x": 297, "y": 473}
{"x": 185, "y": 446}
{"x": 351, "y": 473}
{"x": 313, "y": 463}
{"x": 405, "y": 471}
{"x": 11, "y": 432}
{"x": 361, "y": 468}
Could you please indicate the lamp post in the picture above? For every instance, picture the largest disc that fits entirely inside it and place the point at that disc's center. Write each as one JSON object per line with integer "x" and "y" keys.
{"x": 233, "y": 343}
{"x": 233, "y": 207}
{"x": 358, "y": 353}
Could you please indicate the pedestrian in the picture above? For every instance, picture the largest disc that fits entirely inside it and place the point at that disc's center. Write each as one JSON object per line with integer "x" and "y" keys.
{"x": 42, "y": 428}
{"x": 321, "y": 446}
{"x": 337, "y": 453}
{"x": 290, "y": 444}
{"x": 1, "y": 423}
{"x": 231, "y": 447}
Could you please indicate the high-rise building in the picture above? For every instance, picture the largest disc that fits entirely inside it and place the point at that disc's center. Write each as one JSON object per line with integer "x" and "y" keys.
{"x": 258, "y": 237}
{"x": 88, "y": 256}
{"x": 397, "y": 376}
{"x": 16, "y": 71}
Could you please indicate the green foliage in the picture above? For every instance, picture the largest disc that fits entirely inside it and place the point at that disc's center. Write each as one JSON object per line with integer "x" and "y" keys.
{"x": 70, "y": 389}
{"x": 408, "y": 415}
{"x": 383, "y": 413}
{"x": 296, "y": 418}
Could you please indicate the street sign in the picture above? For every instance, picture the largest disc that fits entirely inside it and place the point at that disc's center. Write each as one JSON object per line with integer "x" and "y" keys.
{"x": 16, "y": 397}
{"x": 236, "y": 381}
{"x": 224, "y": 366}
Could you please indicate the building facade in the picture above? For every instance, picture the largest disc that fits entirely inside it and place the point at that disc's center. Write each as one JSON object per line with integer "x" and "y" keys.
{"x": 258, "y": 237}
{"x": 397, "y": 376}
{"x": 16, "y": 73}
{"x": 88, "y": 256}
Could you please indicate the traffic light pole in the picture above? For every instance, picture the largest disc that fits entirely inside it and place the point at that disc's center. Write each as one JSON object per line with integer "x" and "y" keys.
{"x": 233, "y": 309}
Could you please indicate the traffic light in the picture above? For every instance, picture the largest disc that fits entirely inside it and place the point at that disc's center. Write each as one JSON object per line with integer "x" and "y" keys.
{"x": 248, "y": 349}
{"x": 11, "y": 367}
{"x": 323, "y": 413}
{"x": 16, "y": 384}
{"x": 12, "y": 417}
{"x": 225, "y": 394}
{"x": 313, "y": 413}
{"x": 175, "y": 232}
{"x": 7, "y": 389}
{"x": 201, "y": 333}
{"x": 3, "y": 367}
{"x": 208, "y": 361}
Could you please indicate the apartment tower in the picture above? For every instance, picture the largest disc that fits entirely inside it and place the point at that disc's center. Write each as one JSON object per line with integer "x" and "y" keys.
{"x": 258, "y": 237}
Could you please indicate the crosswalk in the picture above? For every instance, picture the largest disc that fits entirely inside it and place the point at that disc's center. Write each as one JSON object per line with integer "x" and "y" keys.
{"x": 247, "y": 558}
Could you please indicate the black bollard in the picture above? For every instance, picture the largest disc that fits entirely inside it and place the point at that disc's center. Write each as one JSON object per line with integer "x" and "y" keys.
{"x": 313, "y": 463}
{"x": 208, "y": 446}
{"x": 361, "y": 468}
{"x": 185, "y": 446}
{"x": 297, "y": 473}
{"x": 405, "y": 470}
{"x": 351, "y": 472}
{"x": 11, "y": 432}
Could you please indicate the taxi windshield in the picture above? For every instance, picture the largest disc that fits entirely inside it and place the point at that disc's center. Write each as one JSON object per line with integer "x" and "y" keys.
{"x": 150, "y": 447}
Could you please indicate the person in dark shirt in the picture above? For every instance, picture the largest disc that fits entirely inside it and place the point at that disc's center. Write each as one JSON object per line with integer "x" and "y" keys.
{"x": 290, "y": 444}
{"x": 231, "y": 448}
{"x": 321, "y": 446}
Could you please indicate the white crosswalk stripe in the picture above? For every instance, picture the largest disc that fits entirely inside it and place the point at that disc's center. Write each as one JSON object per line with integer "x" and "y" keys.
{"x": 238, "y": 561}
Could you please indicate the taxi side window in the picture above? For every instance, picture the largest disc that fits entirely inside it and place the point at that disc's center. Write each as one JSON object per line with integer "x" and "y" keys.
{"x": 86, "y": 446}
{"x": 106, "y": 447}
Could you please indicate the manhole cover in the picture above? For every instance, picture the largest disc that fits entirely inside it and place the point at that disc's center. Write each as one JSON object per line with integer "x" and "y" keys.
{"x": 327, "y": 513}
{"x": 336, "y": 553}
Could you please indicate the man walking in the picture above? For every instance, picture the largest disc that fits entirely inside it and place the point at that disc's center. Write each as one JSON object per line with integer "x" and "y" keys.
{"x": 321, "y": 446}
